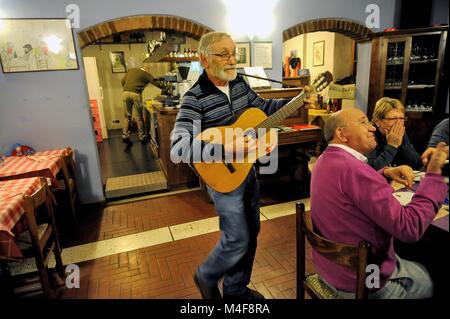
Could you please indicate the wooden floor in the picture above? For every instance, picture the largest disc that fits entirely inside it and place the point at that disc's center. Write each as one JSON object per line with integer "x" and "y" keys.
{"x": 166, "y": 270}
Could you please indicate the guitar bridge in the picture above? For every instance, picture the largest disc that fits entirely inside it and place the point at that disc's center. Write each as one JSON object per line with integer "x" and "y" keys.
{"x": 230, "y": 167}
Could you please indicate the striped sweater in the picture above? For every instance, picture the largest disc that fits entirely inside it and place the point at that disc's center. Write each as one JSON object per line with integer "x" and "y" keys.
{"x": 204, "y": 103}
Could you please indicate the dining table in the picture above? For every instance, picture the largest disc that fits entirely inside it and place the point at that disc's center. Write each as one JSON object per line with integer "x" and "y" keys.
{"x": 433, "y": 245}
{"x": 39, "y": 164}
{"x": 404, "y": 195}
{"x": 12, "y": 208}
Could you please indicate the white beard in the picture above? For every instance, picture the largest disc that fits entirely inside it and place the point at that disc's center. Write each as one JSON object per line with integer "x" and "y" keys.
{"x": 224, "y": 75}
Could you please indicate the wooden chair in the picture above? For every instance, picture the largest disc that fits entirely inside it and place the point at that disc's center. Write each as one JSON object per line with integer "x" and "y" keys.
{"x": 40, "y": 239}
{"x": 65, "y": 188}
{"x": 353, "y": 257}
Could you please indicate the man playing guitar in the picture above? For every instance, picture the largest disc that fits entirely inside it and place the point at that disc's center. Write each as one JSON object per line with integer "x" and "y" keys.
{"x": 214, "y": 102}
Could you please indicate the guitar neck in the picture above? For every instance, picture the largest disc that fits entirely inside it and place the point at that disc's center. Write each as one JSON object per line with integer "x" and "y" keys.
{"x": 280, "y": 115}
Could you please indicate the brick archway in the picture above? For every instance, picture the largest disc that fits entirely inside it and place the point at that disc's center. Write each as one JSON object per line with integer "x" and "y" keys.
{"x": 349, "y": 28}
{"x": 132, "y": 23}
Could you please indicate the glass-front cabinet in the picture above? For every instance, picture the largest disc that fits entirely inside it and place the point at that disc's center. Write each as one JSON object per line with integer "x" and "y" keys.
{"x": 409, "y": 65}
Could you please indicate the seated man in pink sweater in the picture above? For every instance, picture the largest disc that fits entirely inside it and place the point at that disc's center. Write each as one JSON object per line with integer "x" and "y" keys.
{"x": 350, "y": 202}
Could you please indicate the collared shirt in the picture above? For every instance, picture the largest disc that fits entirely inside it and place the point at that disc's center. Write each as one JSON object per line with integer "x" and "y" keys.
{"x": 350, "y": 150}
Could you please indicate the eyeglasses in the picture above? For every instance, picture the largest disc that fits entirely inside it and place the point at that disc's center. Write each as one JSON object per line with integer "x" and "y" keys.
{"x": 226, "y": 56}
{"x": 391, "y": 119}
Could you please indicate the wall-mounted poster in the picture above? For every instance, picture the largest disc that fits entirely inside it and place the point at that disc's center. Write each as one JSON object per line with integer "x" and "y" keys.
{"x": 117, "y": 62}
{"x": 29, "y": 45}
{"x": 263, "y": 54}
{"x": 318, "y": 53}
{"x": 243, "y": 54}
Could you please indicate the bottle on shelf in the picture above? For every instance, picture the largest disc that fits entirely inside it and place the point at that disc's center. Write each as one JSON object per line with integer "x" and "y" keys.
{"x": 412, "y": 77}
{"x": 329, "y": 106}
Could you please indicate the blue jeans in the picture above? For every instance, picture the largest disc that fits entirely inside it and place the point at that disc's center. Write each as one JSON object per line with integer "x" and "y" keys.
{"x": 239, "y": 223}
{"x": 410, "y": 280}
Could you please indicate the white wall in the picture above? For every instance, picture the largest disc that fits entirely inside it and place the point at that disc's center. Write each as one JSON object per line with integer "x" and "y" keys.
{"x": 328, "y": 65}
{"x": 363, "y": 75}
{"x": 51, "y": 109}
{"x": 343, "y": 56}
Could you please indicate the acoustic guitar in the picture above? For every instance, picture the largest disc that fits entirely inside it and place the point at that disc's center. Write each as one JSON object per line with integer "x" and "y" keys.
{"x": 225, "y": 176}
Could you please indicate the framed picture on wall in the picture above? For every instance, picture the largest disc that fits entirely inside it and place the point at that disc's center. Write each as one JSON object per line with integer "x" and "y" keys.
{"x": 318, "y": 53}
{"x": 263, "y": 54}
{"x": 30, "y": 45}
{"x": 117, "y": 62}
{"x": 243, "y": 56}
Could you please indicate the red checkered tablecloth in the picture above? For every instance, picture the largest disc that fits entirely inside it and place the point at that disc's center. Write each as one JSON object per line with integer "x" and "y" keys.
{"x": 45, "y": 165}
{"x": 12, "y": 209}
{"x": 11, "y": 199}
{"x": 58, "y": 152}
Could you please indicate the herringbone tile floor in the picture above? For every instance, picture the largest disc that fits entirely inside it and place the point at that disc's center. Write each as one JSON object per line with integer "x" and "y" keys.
{"x": 165, "y": 270}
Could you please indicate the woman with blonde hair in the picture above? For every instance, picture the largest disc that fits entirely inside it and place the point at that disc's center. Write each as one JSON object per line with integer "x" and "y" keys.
{"x": 393, "y": 145}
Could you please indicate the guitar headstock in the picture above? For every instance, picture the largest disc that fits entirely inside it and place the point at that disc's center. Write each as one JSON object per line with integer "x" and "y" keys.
{"x": 321, "y": 82}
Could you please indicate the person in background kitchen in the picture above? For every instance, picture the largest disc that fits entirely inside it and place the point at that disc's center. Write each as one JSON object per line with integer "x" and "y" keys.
{"x": 133, "y": 84}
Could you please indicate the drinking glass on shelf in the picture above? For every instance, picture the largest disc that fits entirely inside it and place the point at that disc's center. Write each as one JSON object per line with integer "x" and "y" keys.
{"x": 425, "y": 53}
{"x": 415, "y": 52}
{"x": 390, "y": 53}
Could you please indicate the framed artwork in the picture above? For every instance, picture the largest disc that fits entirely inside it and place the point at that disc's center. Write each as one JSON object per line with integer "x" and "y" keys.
{"x": 117, "y": 62}
{"x": 243, "y": 57}
{"x": 263, "y": 54}
{"x": 318, "y": 53}
{"x": 30, "y": 45}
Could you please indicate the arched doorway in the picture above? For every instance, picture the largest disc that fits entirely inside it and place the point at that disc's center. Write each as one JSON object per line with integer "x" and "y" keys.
{"x": 349, "y": 28}
{"x": 345, "y": 31}
{"x": 117, "y": 37}
{"x": 144, "y": 22}
{"x": 327, "y": 44}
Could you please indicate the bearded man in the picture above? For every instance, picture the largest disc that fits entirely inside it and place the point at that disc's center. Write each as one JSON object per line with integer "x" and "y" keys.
{"x": 219, "y": 95}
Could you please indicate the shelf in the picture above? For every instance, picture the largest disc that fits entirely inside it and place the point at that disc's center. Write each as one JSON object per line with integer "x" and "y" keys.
{"x": 190, "y": 59}
{"x": 412, "y": 87}
{"x": 395, "y": 63}
{"x": 412, "y": 62}
{"x": 392, "y": 88}
{"x": 423, "y": 61}
{"x": 419, "y": 111}
{"x": 421, "y": 86}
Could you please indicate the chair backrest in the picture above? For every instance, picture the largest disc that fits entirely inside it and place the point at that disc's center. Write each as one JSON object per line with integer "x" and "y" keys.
{"x": 43, "y": 236}
{"x": 353, "y": 257}
{"x": 40, "y": 198}
{"x": 68, "y": 165}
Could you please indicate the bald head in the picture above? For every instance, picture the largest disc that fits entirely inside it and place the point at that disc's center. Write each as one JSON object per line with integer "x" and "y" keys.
{"x": 350, "y": 127}
{"x": 334, "y": 121}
